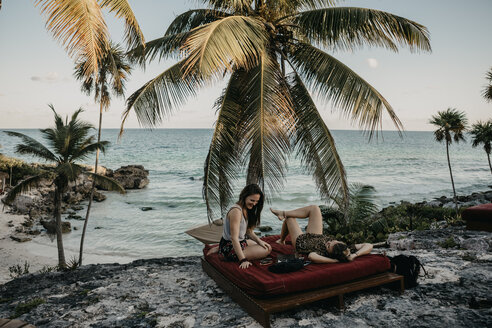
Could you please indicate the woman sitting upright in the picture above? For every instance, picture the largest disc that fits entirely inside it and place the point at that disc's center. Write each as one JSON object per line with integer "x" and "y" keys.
{"x": 318, "y": 247}
{"x": 240, "y": 221}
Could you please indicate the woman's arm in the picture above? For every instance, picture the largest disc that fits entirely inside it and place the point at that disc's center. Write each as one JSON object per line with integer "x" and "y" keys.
{"x": 257, "y": 240}
{"x": 316, "y": 258}
{"x": 235, "y": 220}
{"x": 362, "y": 249}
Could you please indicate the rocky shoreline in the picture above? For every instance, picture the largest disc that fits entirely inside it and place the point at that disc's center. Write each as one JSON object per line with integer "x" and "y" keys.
{"x": 37, "y": 204}
{"x": 175, "y": 292}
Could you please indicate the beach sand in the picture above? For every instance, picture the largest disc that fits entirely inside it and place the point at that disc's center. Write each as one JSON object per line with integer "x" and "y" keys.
{"x": 39, "y": 252}
{"x": 14, "y": 253}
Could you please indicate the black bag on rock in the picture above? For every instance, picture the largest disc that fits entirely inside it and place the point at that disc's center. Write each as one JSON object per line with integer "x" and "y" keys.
{"x": 408, "y": 266}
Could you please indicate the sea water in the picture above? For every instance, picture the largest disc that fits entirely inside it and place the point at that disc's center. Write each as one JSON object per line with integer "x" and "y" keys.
{"x": 411, "y": 168}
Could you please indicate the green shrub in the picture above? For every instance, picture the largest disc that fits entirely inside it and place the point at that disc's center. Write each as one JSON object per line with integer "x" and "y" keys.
{"x": 448, "y": 243}
{"x": 18, "y": 270}
{"x": 27, "y": 307}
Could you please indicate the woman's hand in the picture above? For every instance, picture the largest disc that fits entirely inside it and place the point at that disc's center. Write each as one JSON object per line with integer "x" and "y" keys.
{"x": 245, "y": 265}
{"x": 352, "y": 257}
{"x": 265, "y": 245}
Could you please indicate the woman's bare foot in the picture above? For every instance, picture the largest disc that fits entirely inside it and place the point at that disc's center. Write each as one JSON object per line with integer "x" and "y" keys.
{"x": 213, "y": 250}
{"x": 279, "y": 214}
{"x": 280, "y": 241}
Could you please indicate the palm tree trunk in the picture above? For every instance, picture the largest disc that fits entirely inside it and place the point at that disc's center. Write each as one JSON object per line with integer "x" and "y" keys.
{"x": 490, "y": 166}
{"x": 81, "y": 251}
{"x": 452, "y": 180}
{"x": 59, "y": 239}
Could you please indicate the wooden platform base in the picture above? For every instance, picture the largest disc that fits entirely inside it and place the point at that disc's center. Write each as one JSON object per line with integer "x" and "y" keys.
{"x": 260, "y": 309}
{"x": 8, "y": 323}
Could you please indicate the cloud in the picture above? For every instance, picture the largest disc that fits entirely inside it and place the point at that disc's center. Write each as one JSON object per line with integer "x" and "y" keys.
{"x": 372, "y": 62}
{"x": 50, "y": 77}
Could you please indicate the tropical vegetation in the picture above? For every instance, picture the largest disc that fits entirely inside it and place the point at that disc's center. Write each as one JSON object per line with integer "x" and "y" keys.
{"x": 270, "y": 52}
{"x": 79, "y": 26}
{"x": 112, "y": 72}
{"x": 68, "y": 142}
{"x": 451, "y": 125}
{"x": 482, "y": 135}
{"x": 487, "y": 91}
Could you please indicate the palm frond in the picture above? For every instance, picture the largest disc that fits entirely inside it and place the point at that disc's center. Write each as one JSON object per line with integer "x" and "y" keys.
{"x": 451, "y": 125}
{"x": 233, "y": 6}
{"x": 346, "y": 28}
{"x": 32, "y": 147}
{"x": 161, "y": 48}
{"x": 268, "y": 123}
{"x": 234, "y": 41}
{"x": 193, "y": 18}
{"x": 159, "y": 97}
{"x": 107, "y": 183}
{"x": 334, "y": 81}
{"x": 121, "y": 8}
{"x": 315, "y": 144}
{"x": 68, "y": 171}
{"x": 85, "y": 150}
{"x": 79, "y": 26}
{"x": 221, "y": 165}
{"x": 22, "y": 187}
{"x": 482, "y": 134}
{"x": 487, "y": 90}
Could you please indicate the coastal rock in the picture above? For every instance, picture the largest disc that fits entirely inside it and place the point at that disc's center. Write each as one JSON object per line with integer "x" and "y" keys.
{"x": 146, "y": 208}
{"x": 20, "y": 239}
{"x": 455, "y": 292}
{"x": 479, "y": 245}
{"x": 132, "y": 176}
{"x": 50, "y": 226}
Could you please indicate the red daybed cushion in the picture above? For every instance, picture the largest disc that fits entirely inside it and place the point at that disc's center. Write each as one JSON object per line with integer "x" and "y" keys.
{"x": 258, "y": 281}
{"x": 478, "y": 213}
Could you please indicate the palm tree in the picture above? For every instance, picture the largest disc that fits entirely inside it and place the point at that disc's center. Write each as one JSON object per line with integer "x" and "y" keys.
{"x": 451, "y": 125}
{"x": 68, "y": 142}
{"x": 268, "y": 50}
{"x": 79, "y": 25}
{"x": 482, "y": 134}
{"x": 487, "y": 91}
{"x": 112, "y": 73}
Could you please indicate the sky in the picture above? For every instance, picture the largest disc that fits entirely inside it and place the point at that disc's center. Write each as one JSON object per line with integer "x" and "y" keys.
{"x": 36, "y": 71}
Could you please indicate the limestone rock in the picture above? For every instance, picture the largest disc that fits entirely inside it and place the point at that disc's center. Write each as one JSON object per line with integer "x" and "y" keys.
{"x": 50, "y": 226}
{"x": 132, "y": 176}
{"x": 20, "y": 239}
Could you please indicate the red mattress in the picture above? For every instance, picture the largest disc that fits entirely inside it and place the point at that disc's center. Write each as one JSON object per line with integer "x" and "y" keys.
{"x": 478, "y": 213}
{"x": 258, "y": 281}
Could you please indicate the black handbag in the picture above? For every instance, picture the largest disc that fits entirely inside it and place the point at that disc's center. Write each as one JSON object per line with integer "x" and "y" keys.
{"x": 290, "y": 265}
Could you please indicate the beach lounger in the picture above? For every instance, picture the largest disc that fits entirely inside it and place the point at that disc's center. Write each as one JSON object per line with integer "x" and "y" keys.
{"x": 262, "y": 293}
{"x": 478, "y": 217}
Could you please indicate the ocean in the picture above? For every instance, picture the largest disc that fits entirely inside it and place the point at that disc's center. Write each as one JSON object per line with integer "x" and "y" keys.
{"x": 412, "y": 168}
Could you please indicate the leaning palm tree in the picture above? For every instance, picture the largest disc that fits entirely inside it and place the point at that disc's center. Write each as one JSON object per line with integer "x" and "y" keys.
{"x": 451, "y": 125}
{"x": 79, "y": 25}
{"x": 482, "y": 134}
{"x": 69, "y": 142}
{"x": 487, "y": 91}
{"x": 268, "y": 49}
{"x": 112, "y": 72}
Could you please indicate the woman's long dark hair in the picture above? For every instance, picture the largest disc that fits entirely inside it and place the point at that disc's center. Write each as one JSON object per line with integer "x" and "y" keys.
{"x": 254, "y": 214}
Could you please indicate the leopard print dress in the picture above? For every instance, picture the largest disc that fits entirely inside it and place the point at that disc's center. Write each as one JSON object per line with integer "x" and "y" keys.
{"x": 312, "y": 242}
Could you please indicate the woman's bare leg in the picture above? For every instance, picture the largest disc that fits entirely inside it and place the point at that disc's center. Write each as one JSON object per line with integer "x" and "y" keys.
{"x": 312, "y": 212}
{"x": 283, "y": 234}
{"x": 255, "y": 252}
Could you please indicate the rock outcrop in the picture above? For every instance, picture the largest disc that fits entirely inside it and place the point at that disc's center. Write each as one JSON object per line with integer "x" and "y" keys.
{"x": 131, "y": 176}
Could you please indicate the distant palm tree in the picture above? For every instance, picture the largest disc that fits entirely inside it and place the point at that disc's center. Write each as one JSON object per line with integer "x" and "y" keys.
{"x": 79, "y": 25}
{"x": 482, "y": 134}
{"x": 487, "y": 91}
{"x": 69, "y": 142}
{"x": 268, "y": 48}
{"x": 112, "y": 72}
{"x": 451, "y": 125}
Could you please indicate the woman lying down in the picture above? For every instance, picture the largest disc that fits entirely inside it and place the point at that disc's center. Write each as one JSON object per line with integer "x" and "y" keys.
{"x": 318, "y": 247}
